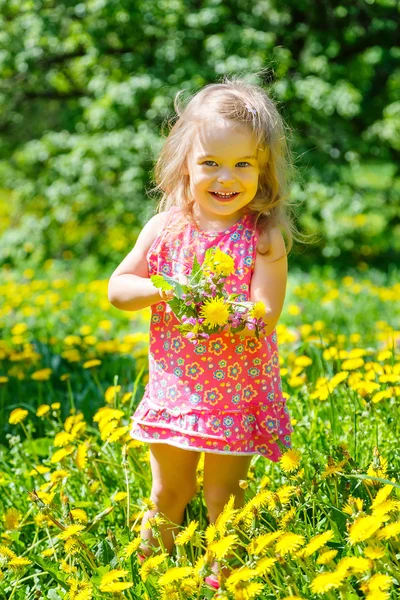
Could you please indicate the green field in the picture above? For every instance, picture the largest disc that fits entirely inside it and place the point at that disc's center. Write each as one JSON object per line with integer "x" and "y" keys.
{"x": 324, "y": 522}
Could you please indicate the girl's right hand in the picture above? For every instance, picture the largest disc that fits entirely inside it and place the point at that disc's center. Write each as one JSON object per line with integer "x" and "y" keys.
{"x": 166, "y": 295}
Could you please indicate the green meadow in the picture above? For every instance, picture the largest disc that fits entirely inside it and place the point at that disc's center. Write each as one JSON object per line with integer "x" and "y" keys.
{"x": 323, "y": 522}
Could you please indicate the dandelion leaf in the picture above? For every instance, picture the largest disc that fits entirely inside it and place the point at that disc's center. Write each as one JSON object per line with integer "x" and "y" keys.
{"x": 53, "y": 571}
{"x": 196, "y": 274}
{"x": 160, "y": 282}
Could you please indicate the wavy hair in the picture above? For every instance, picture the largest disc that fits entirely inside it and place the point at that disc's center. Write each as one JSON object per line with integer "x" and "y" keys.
{"x": 235, "y": 100}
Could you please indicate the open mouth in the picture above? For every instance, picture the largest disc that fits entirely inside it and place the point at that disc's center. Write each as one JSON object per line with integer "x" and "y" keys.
{"x": 224, "y": 196}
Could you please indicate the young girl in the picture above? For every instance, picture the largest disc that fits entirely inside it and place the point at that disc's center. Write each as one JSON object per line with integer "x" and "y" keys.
{"x": 223, "y": 174}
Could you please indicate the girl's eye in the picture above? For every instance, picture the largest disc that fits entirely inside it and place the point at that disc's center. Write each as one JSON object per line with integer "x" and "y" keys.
{"x": 241, "y": 163}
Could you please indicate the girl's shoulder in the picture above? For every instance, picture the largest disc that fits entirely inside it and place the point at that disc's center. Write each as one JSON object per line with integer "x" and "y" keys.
{"x": 271, "y": 244}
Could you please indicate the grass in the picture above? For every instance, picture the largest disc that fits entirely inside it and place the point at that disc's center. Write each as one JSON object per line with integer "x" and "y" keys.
{"x": 75, "y": 486}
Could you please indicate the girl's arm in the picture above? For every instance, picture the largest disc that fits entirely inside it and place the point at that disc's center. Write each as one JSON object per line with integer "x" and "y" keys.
{"x": 130, "y": 287}
{"x": 269, "y": 279}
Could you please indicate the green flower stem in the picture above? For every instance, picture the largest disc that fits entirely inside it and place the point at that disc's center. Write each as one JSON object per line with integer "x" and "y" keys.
{"x": 70, "y": 395}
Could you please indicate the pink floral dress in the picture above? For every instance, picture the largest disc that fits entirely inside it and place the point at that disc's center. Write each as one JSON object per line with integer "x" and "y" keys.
{"x": 223, "y": 395}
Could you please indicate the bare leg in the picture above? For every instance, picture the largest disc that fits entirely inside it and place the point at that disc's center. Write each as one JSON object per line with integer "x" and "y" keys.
{"x": 174, "y": 485}
{"x": 222, "y": 473}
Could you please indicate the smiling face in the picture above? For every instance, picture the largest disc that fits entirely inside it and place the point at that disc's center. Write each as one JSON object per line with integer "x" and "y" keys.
{"x": 223, "y": 169}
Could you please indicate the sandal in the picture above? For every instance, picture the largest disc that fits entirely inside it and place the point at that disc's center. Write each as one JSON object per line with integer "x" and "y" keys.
{"x": 212, "y": 580}
{"x": 141, "y": 558}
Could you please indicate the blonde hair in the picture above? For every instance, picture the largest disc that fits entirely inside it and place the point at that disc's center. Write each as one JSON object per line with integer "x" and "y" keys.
{"x": 235, "y": 100}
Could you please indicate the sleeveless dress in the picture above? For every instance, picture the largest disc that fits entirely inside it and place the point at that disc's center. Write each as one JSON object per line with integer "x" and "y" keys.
{"x": 223, "y": 395}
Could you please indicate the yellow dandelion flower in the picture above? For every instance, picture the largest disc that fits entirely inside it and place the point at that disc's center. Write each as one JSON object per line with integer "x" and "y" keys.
{"x": 352, "y": 364}
{"x": 48, "y": 552}
{"x": 382, "y": 495}
{"x": 326, "y": 557}
{"x": 111, "y": 393}
{"x": 354, "y": 564}
{"x": 19, "y": 562}
{"x": 288, "y": 543}
{"x": 115, "y": 586}
{"x": 214, "y": 312}
{"x": 187, "y": 534}
{"x": 46, "y": 497}
{"x": 70, "y": 531}
{"x": 389, "y": 531}
{"x": 17, "y": 416}
{"x": 71, "y": 546}
{"x": 84, "y": 594}
{"x": 12, "y": 518}
{"x": 210, "y": 533}
{"x": 374, "y": 552}
{"x": 378, "y": 468}
{"x": 62, "y": 438}
{"x": 382, "y": 395}
{"x": 258, "y": 544}
{"x": 106, "y": 414}
{"x": 292, "y": 598}
{"x": 353, "y": 506}
{"x": 384, "y": 508}
{"x": 240, "y": 575}
{"x": 303, "y": 361}
{"x": 113, "y": 575}
{"x": 152, "y": 564}
{"x": 118, "y": 433}
{"x": 126, "y": 397}
{"x": 317, "y": 542}
{"x": 43, "y": 410}
{"x": 55, "y": 405}
{"x": 258, "y": 310}
{"x": 59, "y": 455}
{"x": 285, "y": 520}
{"x": 379, "y": 583}
{"x": 67, "y": 568}
{"x": 221, "y": 263}
{"x": 155, "y": 522}
{"x": 175, "y": 574}
{"x": 7, "y": 553}
{"x": 226, "y": 515}
{"x": 131, "y": 547}
{"x": 78, "y": 514}
{"x": 326, "y": 581}
{"x": 284, "y": 493}
{"x": 39, "y": 469}
{"x": 118, "y": 496}
{"x": 147, "y": 504}
{"x": 222, "y": 547}
{"x": 332, "y": 468}
{"x": 363, "y": 528}
{"x": 290, "y": 461}
{"x": 81, "y": 456}
{"x": 264, "y": 565}
{"x": 42, "y": 375}
{"x": 89, "y": 364}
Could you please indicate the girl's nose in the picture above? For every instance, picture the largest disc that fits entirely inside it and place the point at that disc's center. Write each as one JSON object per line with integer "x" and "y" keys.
{"x": 225, "y": 176}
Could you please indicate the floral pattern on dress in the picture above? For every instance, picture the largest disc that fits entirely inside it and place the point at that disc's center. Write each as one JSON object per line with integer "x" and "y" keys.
{"x": 223, "y": 395}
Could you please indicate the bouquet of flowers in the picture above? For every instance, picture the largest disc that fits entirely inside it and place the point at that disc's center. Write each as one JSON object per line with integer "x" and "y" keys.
{"x": 203, "y": 306}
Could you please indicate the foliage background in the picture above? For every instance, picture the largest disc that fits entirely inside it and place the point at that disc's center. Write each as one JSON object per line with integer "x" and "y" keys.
{"x": 87, "y": 86}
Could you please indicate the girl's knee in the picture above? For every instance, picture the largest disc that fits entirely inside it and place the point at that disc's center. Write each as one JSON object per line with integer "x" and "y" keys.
{"x": 163, "y": 495}
{"x": 216, "y": 497}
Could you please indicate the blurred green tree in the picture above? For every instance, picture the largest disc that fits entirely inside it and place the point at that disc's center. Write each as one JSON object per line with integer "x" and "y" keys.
{"x": 87, "y": 85}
